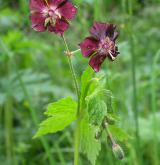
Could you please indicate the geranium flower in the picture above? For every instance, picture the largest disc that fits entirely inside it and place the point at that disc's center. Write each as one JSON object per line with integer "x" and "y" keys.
{"x": 100, "y": 45}
{"x": 53, "y": 15}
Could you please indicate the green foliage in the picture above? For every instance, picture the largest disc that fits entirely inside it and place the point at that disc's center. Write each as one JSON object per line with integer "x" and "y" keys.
{"x": 118, "y": 133}
{"x": 43, "y": 68}
{"x": 89, "y": 145}
{"x": 85, "y": 82}
{"x": 61, "y": 114}
{"x": 97, "y": 109}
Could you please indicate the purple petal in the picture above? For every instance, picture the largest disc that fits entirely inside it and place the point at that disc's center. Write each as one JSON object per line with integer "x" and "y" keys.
{"x": 115, "y": 36}
{"x": 67, "y": 10}
{"x": 37, "y": 5}
{"x": 38, "y": 21}
{"x": 56, "y": 3}
{"x": 89, "y": 46}
{"x": 96, "y": 61}
{"x": 60, "y": 27}
{"x": 102, "y": 30}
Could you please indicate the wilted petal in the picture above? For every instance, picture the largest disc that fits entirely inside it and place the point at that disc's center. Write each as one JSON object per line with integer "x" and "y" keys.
{"x": 60, "y": 27}
{"x": 96, "y": 61}
{"x": 38, "y": 21}
{"x": 67, "y": 10}
{"x": 37, "y": 5}
{"x": 89, "y": 46}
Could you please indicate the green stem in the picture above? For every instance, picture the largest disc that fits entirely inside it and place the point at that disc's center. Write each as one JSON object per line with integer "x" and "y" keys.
{"x": 76, "y": 51}
{"x": 109, "y": 134}
{"x": 71, "y": 67}
{"x": 77, "y": 130}
{"x": 134, "y": 83}
{"x": 153, "y": 105}
{"x": 8, "y": 128}
{"x": 9, "y": 117}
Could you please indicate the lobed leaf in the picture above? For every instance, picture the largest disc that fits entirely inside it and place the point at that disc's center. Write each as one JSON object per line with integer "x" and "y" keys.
{"x": 63, "y": 106}
{"x": 88, "y": 144}
{"x": 61, "y": 114}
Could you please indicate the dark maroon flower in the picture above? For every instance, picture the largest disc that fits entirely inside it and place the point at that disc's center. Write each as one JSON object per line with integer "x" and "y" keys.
{"x": 53, "y": 15}
{"x": 100, "y": 44}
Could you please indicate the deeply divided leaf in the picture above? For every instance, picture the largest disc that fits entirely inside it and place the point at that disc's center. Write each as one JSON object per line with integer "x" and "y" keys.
{"x": 61, "y": 114}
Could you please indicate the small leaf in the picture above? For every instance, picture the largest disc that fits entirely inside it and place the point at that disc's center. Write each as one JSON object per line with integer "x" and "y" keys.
{"x": 97, "y": 110}
{"x": 118, "y": 133}
{"x": 61, "y": 114}
{"x": 85, "y": 78}
{"x": 88, "y": 144}
{"x": 96, "y": 106}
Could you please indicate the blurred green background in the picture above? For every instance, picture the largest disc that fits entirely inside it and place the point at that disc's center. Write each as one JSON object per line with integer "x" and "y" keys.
{"x": 34, "y": 72}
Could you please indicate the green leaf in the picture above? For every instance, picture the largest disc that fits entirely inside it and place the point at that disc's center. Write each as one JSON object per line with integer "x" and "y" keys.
{"x": 63, "y": 106}
{"x": 97, "y": 105}
{"x": 97, "y": 109}
{"x": 85, "y": 78}
{"x": 118, "y": 133}
{"x": 88, "y": 144}
{"x": 61, "y": 114}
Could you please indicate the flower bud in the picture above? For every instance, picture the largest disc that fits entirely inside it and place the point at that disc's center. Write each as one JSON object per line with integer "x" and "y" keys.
{"x": 118, "y": 152}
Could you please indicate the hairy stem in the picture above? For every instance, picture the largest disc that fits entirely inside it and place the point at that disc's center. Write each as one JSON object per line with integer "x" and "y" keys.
{"x": 71, "y": 67}
{"x": 77, "y": 130}
{"x": 109, "y": 134}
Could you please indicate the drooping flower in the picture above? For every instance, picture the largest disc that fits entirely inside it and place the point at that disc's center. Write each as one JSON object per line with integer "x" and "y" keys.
{"x": 51, "y": 15}
{"x": 100, "y": 45}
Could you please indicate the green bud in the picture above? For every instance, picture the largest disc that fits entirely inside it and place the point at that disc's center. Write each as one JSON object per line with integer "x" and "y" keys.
{"x": 118, "y": 152}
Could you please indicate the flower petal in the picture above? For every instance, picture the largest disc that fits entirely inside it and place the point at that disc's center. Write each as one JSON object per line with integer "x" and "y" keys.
{"x": 102, "y": 30}
{"x": 68, "y": 10}
{"x": 56, "y": 3}
{"x": 96, "y": 61}
{"x": 37, "y": 5}
{"x": 88, "y": 46}
{"x": 38, "y": 21}
{"x": 115, "y": 36}
{"x": 60, "y": 27}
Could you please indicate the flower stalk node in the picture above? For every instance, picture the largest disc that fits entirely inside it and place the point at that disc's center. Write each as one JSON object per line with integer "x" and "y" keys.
{"x": 69, "y": 54}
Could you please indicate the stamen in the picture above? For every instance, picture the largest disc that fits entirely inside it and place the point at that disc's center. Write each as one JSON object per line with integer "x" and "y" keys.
{"x": 47, "y": 20}
{"x": 47, "y": 2}
{"x": 111, "y": 55}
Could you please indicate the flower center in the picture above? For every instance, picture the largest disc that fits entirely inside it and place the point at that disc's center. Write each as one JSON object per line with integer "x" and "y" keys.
{"x": 51, "y": 13}
{"x": 106, "y": 46}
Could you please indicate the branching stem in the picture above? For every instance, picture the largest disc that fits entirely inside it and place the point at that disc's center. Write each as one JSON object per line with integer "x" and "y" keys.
{"x": 77, "y": 130}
